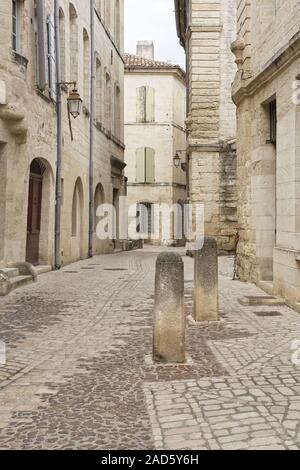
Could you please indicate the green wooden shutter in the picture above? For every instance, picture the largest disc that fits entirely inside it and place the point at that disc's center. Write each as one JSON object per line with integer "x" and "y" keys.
{"x": 141, "y": 104}
{"x": 150, "y": 104}
{"x": 150, "y": 165}
{"x": 140, "y": 165}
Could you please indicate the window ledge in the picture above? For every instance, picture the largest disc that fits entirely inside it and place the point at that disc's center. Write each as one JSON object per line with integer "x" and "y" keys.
{"x": 19, "y": 59}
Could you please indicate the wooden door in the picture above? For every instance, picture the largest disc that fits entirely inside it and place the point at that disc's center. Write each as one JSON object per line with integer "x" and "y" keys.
{"x": 34, "y": 218}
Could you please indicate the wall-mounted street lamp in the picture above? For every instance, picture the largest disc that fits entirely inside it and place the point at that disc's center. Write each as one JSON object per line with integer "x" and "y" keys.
{"x": 177, "y": 159}
{"x": 74, "y": 103}
{"x": 74, "y": 100}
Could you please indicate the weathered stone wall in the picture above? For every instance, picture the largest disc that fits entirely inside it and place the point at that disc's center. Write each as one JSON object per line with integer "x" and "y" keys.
{"x": 166, "y": 135}
{"x": 28, "y": 130}
{"x": 211, "y": 120}
{"x": 268, "y": 174}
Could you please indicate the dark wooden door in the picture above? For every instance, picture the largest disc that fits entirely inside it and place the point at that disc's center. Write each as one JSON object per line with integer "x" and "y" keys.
{"x": 34, "y": 218}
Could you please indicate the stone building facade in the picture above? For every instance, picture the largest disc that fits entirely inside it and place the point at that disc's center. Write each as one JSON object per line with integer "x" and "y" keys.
{"x": 155, "y": 104}
{"x": 266, "y": 92}
{"x": 206, "y": 30}
{"x": 28, "y": 125}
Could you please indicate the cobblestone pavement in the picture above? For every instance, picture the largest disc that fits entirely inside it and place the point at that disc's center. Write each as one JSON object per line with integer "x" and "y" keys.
{"x": 79, "y": 373}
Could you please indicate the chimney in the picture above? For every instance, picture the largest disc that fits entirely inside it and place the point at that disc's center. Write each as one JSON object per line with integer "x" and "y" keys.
{"x": 145, "y": 49}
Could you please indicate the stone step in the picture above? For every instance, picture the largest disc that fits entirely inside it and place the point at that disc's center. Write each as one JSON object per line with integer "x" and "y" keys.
{"x": 20, "y": 281}
{"x": 11, "y": 272}
{"x": 43, "y": 269}
{"x": 266, "y": 286}
{"x": 259, "y": 300}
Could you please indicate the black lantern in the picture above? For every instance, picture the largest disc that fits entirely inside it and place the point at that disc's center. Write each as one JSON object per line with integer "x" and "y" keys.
{"x": 177, "y": 160}
{"x": 74, "y": 103}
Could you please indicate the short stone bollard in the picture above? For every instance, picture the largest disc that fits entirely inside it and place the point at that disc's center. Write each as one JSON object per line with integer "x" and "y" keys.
{"x": 5, "y": 285}
{"x": 206, "y": 301}
{"x": 169, "y": 316}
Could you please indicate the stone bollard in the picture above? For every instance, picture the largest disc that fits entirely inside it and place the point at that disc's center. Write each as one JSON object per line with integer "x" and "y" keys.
{"x": 169, "y": 316}
{"x": 206, "y": 302}
{"x": 5, "y": 285}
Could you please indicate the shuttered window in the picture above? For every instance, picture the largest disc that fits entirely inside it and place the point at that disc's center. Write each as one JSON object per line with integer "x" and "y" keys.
{"x": 51, "y": 57}
{"x": 145, "y": 104}
{"x": 41, "y": 46}
{"x": 15, "y": 26}
{"x": 145, "y": 165}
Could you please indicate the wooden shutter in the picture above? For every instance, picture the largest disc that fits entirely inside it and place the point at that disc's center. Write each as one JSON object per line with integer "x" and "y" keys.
{"x": 42, "y": 66}
{"x": 140, "y": 165}
{"x": 150, "y": 104}
{"x": 150, "y": 165}
{"x": 141, "y": 104}
{"x": 51, "y": 57}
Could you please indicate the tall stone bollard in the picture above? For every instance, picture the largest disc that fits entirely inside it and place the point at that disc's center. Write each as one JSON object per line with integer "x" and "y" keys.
{"x": 169, "y": 317}
{"x": 206, "y": 303}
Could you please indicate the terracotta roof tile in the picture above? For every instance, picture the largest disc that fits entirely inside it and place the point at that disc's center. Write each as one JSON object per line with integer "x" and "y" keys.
{"x": 135, "y": 61}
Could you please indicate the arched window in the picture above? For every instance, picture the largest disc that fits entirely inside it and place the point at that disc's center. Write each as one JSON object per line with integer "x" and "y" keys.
{"x": 62, "y": 46}
{"x": 145, "y": 104}
{"x": 107, "y": 101}
{"x": 117, "y": 115}
{"x": 86, "y": 68}
{"x": 76, "y": 209}
{"x": 73, "y": 44}
{"x": 267, "y": 11}
{"x": 98, "y": 201}
{"x": 98, "y": 90}
{"x": 117, "y": 23}
{"x": 108, "y": 14}
{"x": 145, "y": 165}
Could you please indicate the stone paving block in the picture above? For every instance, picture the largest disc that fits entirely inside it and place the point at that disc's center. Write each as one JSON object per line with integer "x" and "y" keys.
{"x": 85, "y": 382}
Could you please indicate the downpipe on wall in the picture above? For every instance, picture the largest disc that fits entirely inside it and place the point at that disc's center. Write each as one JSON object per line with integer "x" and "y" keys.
{"x": 91, "y": 143}
{"x": 58, "y": 187}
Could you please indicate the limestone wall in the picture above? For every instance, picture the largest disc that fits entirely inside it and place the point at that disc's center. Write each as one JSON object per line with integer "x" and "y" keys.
{"x": 268, "y": 180}
{"x": 211, "y": 120}
{"x": 28, "y": 129}
{"x": 166, "y": 135}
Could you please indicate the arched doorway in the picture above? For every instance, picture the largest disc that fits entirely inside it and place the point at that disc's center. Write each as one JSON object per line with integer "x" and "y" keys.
{"x": 77, "y": 222}
{"x": 34, "y": 213}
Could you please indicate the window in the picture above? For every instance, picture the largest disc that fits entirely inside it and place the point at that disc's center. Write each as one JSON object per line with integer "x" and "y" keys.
{"x": 16, "y": 25}
{"x": 273, "y": 122}
{"x": 145, "y": 165}
{"x": 86, "y": 69}
{"x": 145, "y": 104}
{"x": 98, "y": 91}
{"x": 117, "y": 126}
{"x": 145, "y": 215}
{"x": 108, "y": 100}
{"x": 62, "y": 45}
{"x": 73, "y": 45}
{"x": 74, "y": 212}
{"x": 51, "y": 57}
{"x": 117, "y": 23}
{"x": 98, "y": 201}
{"x": 107, "y": 13}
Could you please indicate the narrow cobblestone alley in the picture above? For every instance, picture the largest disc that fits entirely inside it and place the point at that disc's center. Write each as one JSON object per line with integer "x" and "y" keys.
{"x": 79, "y": 371}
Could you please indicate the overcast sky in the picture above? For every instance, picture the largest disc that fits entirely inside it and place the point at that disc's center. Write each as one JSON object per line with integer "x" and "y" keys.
{"x": 153, "y": 20}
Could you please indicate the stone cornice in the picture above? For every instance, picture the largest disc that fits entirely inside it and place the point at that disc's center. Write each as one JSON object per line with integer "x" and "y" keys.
{"x": 165, "y": 70}
{"x": 217, "y": 147}
{"x": 243, "y": 88}
{"x": 155, "y": 185}
{"x": 204, "y": 28}
{"x": 156, "y": 124}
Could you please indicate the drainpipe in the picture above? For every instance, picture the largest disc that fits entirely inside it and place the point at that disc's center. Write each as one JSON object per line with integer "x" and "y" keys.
{"x": 59, "y": 140}
{"x": 91, "y": 143}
